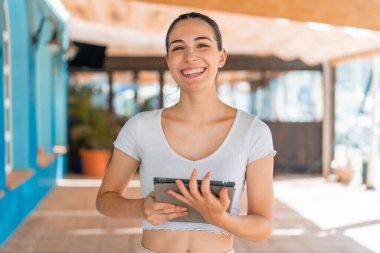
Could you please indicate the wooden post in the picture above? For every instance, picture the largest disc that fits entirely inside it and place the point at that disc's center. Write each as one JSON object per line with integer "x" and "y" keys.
{"x": 161, "y": 88}
{"x": 135, "y": 80}
{"x": 110, "y": 92}
{"x": 372, "y": 161}
{"x": 328, "y": 118}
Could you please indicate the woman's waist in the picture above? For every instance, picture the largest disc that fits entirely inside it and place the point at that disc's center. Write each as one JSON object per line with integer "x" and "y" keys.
{"x": 186, "y": 241}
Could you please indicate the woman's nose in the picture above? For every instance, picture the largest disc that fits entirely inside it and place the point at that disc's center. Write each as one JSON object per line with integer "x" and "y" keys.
{"x": 190, "y": 55}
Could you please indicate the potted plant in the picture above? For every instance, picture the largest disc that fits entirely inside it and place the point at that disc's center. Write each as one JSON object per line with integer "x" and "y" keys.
{"x": 343, "y": 167}
{"x": 92, "y": 131}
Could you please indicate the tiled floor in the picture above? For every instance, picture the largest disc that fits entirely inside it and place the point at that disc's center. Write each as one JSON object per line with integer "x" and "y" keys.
{"x": 312, "y": 216}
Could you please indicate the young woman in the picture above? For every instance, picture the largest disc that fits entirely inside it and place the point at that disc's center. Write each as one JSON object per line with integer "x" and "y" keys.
{"x": 198, "y": 138}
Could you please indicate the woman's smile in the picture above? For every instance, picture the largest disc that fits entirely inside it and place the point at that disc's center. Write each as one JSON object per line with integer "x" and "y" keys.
{"x": 193, "y": 72}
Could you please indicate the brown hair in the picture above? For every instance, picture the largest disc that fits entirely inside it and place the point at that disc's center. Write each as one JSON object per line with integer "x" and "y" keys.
{"x": 190, "y": 15}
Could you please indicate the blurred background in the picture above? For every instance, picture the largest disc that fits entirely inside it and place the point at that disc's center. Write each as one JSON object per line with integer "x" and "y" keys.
{"x": 73, "y": 71}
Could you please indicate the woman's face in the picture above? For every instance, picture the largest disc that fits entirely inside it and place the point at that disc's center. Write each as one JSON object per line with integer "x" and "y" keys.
{"x": 193, "y": 56}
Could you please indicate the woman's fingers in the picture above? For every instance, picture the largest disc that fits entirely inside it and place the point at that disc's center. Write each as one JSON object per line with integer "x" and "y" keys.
{"x": 161, "y": 206}
{"x": 158, "y": 213}
{"x": 171, "y": 216}
{"x": 180, "y": 197}
{"x": 176, "y": 209}
{"x": 223, "y": 196}
{"x": 193, "y": 185}
{"x": 183, "y": 190}
{"x": 205, "y": 188}
{"x": 164, "y": 215}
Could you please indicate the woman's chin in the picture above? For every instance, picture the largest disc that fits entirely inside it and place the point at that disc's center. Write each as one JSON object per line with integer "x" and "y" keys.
{"x": 196, "y": 86}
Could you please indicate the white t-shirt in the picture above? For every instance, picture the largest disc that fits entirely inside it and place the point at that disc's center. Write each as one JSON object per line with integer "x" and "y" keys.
{"x": 142, "y": 138}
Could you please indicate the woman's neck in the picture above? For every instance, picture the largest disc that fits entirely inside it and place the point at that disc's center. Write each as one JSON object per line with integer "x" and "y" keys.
{"x": 199, "y": 107}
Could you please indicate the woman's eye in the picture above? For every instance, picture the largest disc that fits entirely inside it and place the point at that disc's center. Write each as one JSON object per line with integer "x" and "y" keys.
{"x": 177, "y": 48}
{"x": 203, "y": 45}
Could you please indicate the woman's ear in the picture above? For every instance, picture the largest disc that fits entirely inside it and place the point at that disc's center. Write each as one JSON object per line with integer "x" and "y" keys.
{"x": 222, "y": 56}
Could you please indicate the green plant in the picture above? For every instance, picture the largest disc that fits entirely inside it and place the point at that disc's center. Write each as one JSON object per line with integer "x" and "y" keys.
{"x": 90, "y": 127}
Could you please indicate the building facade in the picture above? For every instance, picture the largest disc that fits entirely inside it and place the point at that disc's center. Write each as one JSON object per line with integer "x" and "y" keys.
{"x": 33, "y": 118}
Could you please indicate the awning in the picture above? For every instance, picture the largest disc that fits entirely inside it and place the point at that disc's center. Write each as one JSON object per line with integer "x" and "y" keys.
{"x": 134, "y": 28}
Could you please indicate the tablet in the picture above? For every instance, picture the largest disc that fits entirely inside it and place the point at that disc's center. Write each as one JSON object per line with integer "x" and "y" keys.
{"x": 163, "y": 184}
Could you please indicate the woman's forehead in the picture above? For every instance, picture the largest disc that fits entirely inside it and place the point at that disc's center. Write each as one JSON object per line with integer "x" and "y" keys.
{"x": 191, "y": 28}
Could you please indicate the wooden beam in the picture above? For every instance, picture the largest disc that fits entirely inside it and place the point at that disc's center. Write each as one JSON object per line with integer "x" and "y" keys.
{"x": 135, "y": 63}
{"x": 355, "y": 13}
{"x": 85, "y": 69}
{"x": 234, "y": 62}
{"x": 246, "y": 62}
{"x": 357, "y": 56}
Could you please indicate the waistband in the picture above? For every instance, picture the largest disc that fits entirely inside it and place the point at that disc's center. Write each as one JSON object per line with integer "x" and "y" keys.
{"x": 141, "y": 249}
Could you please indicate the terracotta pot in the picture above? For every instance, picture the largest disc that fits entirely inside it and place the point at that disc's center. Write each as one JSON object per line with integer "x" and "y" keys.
{"x": 344, "y": 174}
{"x": 95, "y": 161}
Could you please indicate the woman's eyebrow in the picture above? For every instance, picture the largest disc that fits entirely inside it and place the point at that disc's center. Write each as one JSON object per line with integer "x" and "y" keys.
{"x": 203, "y": 38}
{"x": 175, "y": 41}
{"x": 197, "y": 38}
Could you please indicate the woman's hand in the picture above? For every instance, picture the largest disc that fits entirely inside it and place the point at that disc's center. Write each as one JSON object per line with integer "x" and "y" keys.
{"x": 212, "y": 209}
{"x": 158, "y": 213}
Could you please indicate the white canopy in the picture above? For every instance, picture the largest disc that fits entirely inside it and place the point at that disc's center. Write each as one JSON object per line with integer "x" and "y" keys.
{"x": 139, "y": 28}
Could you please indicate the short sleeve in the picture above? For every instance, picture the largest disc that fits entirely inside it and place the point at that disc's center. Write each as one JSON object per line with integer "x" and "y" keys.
{"x": 260, "y": 143}
{"x": 127, "y": 138}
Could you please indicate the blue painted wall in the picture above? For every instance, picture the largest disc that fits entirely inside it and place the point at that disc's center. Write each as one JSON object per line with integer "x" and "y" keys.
{"x": 39, "y": 95}
{"x": 2, "y": 141}
{"x": 23, "y": 118}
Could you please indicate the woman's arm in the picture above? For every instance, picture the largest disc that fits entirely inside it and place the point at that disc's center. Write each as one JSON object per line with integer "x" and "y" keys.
{"x": 110, "y": 200}
{"x": 257, "y": 224}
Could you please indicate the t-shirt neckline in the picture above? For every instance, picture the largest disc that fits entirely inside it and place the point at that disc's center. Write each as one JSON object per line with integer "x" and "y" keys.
{"x": 213, "y": 154}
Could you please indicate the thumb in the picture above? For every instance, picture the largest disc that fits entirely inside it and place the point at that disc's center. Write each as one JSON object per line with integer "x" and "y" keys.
{"x": 152, "y": 195}
{"x": 223, "y": 196}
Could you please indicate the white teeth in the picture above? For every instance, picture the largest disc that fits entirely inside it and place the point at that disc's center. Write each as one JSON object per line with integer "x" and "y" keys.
{"x": 193, "y": 71}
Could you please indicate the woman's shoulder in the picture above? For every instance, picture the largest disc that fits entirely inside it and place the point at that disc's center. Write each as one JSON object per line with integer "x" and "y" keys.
{"x": 246, "y": 117}
{"x": 252, "y": 121}
{"x": 145, "y": 115}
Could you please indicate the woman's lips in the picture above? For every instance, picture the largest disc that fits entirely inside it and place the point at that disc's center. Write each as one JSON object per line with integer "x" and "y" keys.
{"x": 193, "y": 72}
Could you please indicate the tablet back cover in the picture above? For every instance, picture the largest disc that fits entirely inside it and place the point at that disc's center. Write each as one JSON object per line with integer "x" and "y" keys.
{"x": 162, "y": 196}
